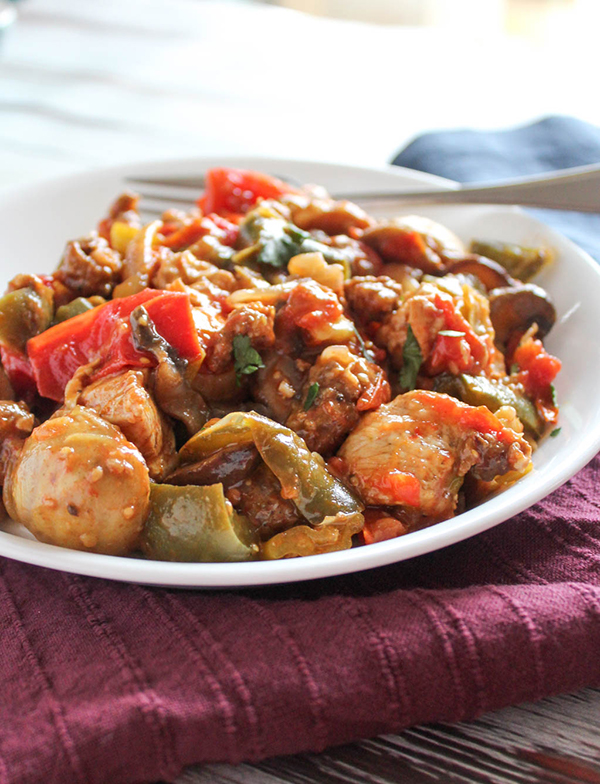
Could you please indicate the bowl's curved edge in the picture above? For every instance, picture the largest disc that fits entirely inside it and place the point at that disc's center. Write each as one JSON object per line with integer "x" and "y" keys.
{"x": 312, "y": 567}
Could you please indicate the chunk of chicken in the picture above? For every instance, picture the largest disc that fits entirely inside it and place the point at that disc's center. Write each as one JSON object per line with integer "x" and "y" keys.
{"x": 373, "y": 298}
{"x": 415, "y": 451}
{"x": 124, "y": 401}
{"x": 343, "y": 385}
{"x": 451, "y": 323}
{"x": 90, "y": 266}
{"x": 79, "y": 483}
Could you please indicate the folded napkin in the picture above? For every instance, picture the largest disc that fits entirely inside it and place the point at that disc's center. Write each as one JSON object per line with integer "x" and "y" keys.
{"x": 108, "y": 682}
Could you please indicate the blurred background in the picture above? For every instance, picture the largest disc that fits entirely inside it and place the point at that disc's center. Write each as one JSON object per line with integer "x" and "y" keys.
{"x": 86, "y": 83}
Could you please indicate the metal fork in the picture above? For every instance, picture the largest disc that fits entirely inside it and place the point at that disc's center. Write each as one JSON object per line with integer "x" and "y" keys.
{"x": 576, "y": 189}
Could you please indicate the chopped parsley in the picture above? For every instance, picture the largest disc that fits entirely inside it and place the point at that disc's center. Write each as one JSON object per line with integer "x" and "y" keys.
{"x": 412, "y": 360}
{"x": 555, "y": 432}
{"x": 451, "y": 333}
{"x": 311, "y": 395}
{"x": 274, "y": 241}
{"x": 247, "y": 360}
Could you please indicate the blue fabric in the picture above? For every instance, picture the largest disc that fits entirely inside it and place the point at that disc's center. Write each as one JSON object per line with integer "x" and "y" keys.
{"x": 477, "y": 156}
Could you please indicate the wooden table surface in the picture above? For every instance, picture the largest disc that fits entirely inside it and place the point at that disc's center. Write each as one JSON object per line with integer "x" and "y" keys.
{"x": 554, "y": 741}
{"x": 87, "y": 84}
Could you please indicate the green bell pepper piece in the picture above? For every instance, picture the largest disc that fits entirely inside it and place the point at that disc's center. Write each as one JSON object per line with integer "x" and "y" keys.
{"x": 24, "y": 313}
{"x": 304, "y": 478}
{"x": 482, "y": 391}
{"x": 191, "y": 523}
{"x": 519, "y": 261}
{"x": 75, "y": 307}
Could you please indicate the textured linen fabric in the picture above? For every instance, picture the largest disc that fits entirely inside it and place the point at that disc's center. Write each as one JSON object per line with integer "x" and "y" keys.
{"x": 108, "y": 682}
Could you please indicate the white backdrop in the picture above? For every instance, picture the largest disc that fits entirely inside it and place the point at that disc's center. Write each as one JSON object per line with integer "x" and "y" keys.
{"x": 86, "y": 83}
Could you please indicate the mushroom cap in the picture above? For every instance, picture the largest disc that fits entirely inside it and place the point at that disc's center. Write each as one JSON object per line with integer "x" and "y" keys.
{"x": 516, "y": 309}
{"x": 414, "y": 240}
{"x": 491, "y": 274}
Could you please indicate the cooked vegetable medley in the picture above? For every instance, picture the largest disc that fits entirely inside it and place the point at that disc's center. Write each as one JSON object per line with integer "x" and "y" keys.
{"x": 273, "y": 374}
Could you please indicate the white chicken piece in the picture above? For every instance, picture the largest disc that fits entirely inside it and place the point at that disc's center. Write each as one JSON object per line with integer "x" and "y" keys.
{"x": 124, "y": 401}
{"x": 415, "y": 451}
{"x": 462, "y": 316}
{"x": 79, "y": 483}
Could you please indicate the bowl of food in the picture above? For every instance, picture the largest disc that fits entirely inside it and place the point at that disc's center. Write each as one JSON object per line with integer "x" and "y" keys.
{"x": 272, "y": 385}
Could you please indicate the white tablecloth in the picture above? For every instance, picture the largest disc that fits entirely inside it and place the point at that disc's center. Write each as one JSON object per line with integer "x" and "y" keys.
{"x": 85, "y": 83}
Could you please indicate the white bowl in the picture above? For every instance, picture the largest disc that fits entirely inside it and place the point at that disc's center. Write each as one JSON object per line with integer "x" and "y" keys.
{"x": 35, "y": 223}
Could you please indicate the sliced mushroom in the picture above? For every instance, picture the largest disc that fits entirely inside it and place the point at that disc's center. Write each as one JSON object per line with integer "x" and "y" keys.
{"x": 228, "y": 466}
{"x": 328, "y": 215}
{"x": 521, "y": 262}
{"x": 172, "y": 390}
{"x": 491, "y": 274}
{"x": 416, "y": 241}
{"x": 516, "y": 309}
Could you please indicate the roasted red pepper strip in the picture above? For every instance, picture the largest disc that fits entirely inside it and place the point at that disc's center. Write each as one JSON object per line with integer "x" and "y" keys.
{"x": 105, "y": 333}
{"x": 538, "y": 369}
{"x": 187, "y": 235}
{"x": 235, "y": 191}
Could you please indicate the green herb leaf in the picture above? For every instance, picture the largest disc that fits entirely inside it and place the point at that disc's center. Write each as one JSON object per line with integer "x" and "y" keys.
{"x": 274, "y": 241}
{"x": 412, "y": 360}
{"x": 311, "y": 395}
{"x": 451, "y": 333}
{"x": 553, "y": 394}
{"x": 555, "y": 432}
{"x": 247, "y": 360}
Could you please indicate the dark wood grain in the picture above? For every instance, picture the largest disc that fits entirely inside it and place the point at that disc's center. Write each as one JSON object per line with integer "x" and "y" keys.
{"x": 554, "y": 741}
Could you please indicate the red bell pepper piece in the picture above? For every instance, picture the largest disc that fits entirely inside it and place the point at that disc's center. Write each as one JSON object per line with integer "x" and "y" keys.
{"x": 537, "y": 371}
{"x": 105, "y": 333}
{"x": 235, "y": 191}
{"x": 222, "y": 229}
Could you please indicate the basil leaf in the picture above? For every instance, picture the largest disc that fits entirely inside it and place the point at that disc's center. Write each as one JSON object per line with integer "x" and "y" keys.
{"x": 555, "y": 432}
{"x": 273, "y": 241}
{"x": 412, "y": 360}
{"x": 247, "y": 360}
{"x": 311, "y": 395}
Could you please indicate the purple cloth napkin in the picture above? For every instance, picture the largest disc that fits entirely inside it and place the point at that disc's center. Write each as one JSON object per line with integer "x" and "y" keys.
{"x": 107, "y": 682}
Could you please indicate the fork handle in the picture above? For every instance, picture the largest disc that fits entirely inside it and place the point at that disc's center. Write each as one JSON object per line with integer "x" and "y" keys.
{"x": 576, "y": 189}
